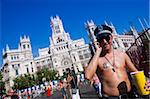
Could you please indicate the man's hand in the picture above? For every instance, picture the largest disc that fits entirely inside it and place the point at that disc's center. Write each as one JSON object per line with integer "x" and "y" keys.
{"x": 94, "y": 62}
{"x": 97, "y": 46}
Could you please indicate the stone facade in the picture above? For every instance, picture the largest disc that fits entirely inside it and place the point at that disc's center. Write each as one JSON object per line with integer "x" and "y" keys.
{"x": 63, "y": 53}
{"x": 17, "y": 62}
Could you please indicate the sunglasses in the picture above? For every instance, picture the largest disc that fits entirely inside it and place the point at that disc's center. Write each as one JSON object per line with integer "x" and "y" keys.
{"x": 101, "y": 37}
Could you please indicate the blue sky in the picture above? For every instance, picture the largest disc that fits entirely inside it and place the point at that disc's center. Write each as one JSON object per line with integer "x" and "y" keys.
{"x": 32, "y": 18}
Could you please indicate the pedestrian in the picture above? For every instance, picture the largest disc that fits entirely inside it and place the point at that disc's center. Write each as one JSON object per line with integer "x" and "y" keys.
{"x": 74, "y": 82}
{"x": 62, "y": 89}
{"x": 97, "y": 85}
{"x": 110, "y": 65}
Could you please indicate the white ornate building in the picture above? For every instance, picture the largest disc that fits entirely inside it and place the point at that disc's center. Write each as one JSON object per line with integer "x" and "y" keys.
{"x": 17, "y": 62}
{"x": 63, "y": 52}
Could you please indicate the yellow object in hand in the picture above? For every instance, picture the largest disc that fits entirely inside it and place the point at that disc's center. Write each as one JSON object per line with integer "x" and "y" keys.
{"x": 140, "y": 80}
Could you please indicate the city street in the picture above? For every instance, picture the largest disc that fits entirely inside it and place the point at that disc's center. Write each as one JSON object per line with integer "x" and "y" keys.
{"x": 86, "y": 92}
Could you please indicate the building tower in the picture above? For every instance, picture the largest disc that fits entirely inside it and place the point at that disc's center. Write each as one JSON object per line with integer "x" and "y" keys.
{"x": 90, "y": 27}
{"x": 59, "y": 35}
{"x": 25, "y": 47}
{"x": 66, "y": 53}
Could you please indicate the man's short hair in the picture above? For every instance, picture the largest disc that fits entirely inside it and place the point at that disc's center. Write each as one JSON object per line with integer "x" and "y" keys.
{"x": 102, "y": 30}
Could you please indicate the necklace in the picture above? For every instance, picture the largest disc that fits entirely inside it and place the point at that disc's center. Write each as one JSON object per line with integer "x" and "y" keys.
{"x": 113, "y": 64}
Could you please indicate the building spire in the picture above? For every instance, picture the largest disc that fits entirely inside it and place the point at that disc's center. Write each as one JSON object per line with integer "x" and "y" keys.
{"x": 106, "y": 23}
{"x": 111, "y": 24}
{"x": 28, "y": 38}
{"x": 3, "y": 51}
{"x": 141, "y": 24}
{"x": 19, "y": 46}
{"x": 7, "y": 47}
{"x": 134, "y": 32}
{"x": 146, "y": 23}
{"x": 24, "y": 36}
{"x": 51, "y": 41}
{"x": 20, "y": 38}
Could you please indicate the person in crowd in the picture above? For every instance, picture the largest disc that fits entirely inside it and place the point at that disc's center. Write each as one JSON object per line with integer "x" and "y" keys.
{"x": 97, "y": 85}
{"x": 62, "y": 89}
{"x": 74, "y": 82}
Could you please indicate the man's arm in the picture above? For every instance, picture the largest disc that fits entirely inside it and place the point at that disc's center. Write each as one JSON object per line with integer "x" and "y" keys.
{"x": 92, "y": 66}
{"x": 132, "y": 68}
{"x": 129, "y": 64}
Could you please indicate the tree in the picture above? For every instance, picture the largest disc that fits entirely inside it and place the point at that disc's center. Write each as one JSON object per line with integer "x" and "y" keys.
{"x": 46, "y": 73}
{"x": 23, "y": 82}
{"x": 2, "y": 85}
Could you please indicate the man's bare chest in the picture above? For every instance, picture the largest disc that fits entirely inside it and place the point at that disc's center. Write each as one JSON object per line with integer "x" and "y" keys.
{"x": 111, "y": 64}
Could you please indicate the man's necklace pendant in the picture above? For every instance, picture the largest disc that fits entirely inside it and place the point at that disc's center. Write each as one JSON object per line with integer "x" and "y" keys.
{"x": 106, "y": 65}
{"x": 113, "y": 70}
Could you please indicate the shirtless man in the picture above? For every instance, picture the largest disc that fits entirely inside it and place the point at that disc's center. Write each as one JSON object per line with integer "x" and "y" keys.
{"x": 111, "y": 64}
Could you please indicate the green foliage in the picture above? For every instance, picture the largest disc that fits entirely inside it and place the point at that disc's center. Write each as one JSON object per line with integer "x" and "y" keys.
{"x": 2, "y": 85}
{"x": 25, "y": 81}
{"x": 29, "y": 80}
{"x": 1, "y": 76}
{"x": 46, "y": 74}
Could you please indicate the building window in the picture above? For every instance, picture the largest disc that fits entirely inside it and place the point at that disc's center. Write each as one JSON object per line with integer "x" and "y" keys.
{"x": 55, "y": 61}
{"x": 125, "y": 44}
{"x": 24, "y": 46}
{"x": 56, "y": 27}
{"x": 12, "y": 66}
{"x": 43, "y": 61}
{"x": 27, "y": 70}
{"x": 12, "y": 58}
{"x": 81, "y": 57}
{"x": 32, "y": 69}
{"x": 85, "y": 50}
{"x": 28, "y": 46}
{"x": 67, "y": 46}
{"x": 74, "y": 58}
{"x": 86, "y": 55}
{"x": 57, "y": 31}
{"x": 48, "y": 60}
{"x": 5, "y": 71}
{"x": 17, "y": 72}
{"x": 79, "y": 52}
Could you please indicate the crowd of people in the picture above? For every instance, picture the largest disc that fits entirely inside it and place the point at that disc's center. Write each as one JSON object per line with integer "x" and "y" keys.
{"x": 69, "y": 86}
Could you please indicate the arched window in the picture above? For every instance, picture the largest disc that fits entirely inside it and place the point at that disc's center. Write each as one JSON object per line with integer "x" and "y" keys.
{"x": 17, "y": 72}
{"x": 28, "y": 46}
{"x": 24, "y": 46}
